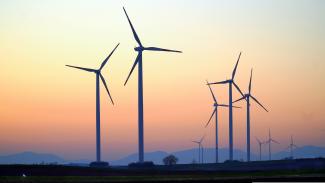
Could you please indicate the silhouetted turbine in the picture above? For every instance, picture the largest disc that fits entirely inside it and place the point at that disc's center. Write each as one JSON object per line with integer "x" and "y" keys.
{"x": 260, "y": 143}
{"x": 138, "y": 61}
{"x": 269, "y": 141}
{"x": 98, "y": 75}
{"x": 291, "y": 146}
{"x": 200, "y": 148}
{"x": 231, "y": 82}
{"x": 215, "y": 112}
{"x": 247, "y": 97}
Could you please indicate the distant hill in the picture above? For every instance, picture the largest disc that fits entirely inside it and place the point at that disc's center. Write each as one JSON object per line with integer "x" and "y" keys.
{"x": 184, "y": 156}
{"x": 302, "y": 152}
{"x": 30, "y": 158}
{"x": 156, "y": 157}
{"x": 190, "y": 155}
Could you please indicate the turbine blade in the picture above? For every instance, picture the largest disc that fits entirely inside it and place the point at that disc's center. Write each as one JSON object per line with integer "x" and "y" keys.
{"x": 133, "y": 30}
{"x": 275, "y": 141}
{"x": 134, "y": 64}
{"x": 160, "y": 49}
{"x": 236, "y": 107}
{"x": 220, "y": 82}
{"x": 238, "y": 88}
{"x": 202, "y": 138}
{"x": 104, "y": 82}
{"x": 250, "y": 82}
{"x": 239, "y": 99}
{"x": 82, "y": 68}
{"x": 258, "y": 140}
{"x": 214, "y": 111}
{"x": 223, "y": 105}
{"x": 105, "y": 61}
{"x": 234, "y": 71}
{"x": 214, "y": 98}
{"x": 259, "y": 103}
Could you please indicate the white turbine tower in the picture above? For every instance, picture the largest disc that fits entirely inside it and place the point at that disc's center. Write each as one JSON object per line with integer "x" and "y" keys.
{"x": 269, "y": 141}
{"x": 99, "y": 76}
{"x": 247, "y": 97}
{"x": 231, "y": 82}
{"x": 260, "y": 143}
{"x": 199, "y": 143}
{"x": 138, "y": 61}
{"x": 215, "y": 112}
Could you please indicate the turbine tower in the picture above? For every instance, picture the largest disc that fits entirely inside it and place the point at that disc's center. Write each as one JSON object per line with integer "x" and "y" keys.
{"x": 291, "y": 146}
{"x": 199, "y": 143}
{"x": 138, "y": 61}
{"x": 260, "y": 143}
{"x": 247, "y": 97}
{"x": 215, "y": 112}
{"x": 99, "y": 76}
{"x": 269, "y": 141}
{"x": 231, "y": 82}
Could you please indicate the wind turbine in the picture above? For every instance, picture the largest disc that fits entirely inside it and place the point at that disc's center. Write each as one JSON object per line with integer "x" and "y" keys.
{"x": 98, "y": 75}
{"x": 200, "y": 148}
{"x": 138, "y": 61}
{"x": 215, "y": 112}
{"x": 247, "y": 97}
{"x": 269, "y": 141}
{"x": 231, "y": 82}
{"x": 291, "y": 146}
{"x": 260, "y": 143}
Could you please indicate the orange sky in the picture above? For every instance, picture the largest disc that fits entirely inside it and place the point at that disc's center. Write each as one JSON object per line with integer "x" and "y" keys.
{"x": 46, "y": 107}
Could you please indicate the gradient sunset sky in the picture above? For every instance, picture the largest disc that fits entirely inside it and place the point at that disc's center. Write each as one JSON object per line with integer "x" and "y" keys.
{"x": 47, "y": 107}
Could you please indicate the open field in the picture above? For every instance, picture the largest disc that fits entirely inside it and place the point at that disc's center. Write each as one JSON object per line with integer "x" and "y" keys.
{"x": 284, "y": 170}
{"x": 305, "y": 175}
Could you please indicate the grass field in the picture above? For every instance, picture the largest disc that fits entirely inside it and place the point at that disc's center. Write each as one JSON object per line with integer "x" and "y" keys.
{"x": 298, "y": 175}
{"x": 307, "y": 170}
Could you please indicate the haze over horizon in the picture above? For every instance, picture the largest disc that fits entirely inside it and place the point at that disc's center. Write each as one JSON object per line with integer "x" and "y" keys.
{"x": 46, "y": 107}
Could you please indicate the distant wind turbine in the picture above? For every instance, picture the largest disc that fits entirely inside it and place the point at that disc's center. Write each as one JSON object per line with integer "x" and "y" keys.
{"x": 260, "y": 143}
{"x": 200, "y": 148}
{"x": 291, "y": 147}
{"x": 231, "y": 82}
{"x": 269, "y": 141}
{"x": 138, "y": 61}
{"x": 247, "y": 97}
{"x": 98, "y": 75}
{"x": 215, "y": 112}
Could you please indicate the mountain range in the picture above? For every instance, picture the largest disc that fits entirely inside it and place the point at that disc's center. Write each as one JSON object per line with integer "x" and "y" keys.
{"x": 184, "y": 156}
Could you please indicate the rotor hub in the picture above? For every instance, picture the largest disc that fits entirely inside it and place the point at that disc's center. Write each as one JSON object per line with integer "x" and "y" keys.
{"x": 139, "y": 48}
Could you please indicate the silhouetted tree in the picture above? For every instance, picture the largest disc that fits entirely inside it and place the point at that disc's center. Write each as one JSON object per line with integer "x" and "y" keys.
{"x": 170, "y": 160}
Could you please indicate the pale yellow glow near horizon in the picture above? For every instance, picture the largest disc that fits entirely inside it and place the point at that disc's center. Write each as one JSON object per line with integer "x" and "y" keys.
{"x": 47, "y": 107}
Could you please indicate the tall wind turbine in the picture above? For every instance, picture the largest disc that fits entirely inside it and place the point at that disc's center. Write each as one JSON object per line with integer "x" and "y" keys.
{"x": 199, "y": 143}
{"x": 260, "y": 143}
{"x": 138, "y": 61}
{"x": 291, "y": 146}
{"x": 98, "y": 77}
{"x": 247, "y": 97}
{"x": 269, "y": 141}
{"x": 215, "y": 112}
{"x": 231, "y": 82}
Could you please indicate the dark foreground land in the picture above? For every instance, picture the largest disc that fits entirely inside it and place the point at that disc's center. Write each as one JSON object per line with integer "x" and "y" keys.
{"x": 307, "y": 170}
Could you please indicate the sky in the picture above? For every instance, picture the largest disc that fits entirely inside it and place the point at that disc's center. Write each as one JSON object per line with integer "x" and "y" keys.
{"x": 47, "y": 107}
